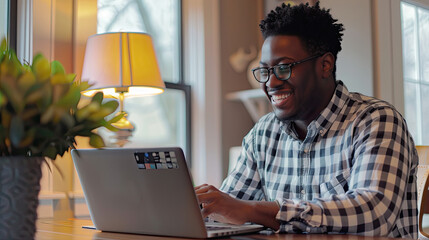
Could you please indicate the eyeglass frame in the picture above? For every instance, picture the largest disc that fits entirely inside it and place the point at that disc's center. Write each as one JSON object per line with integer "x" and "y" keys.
{"x": 289, "y": 65}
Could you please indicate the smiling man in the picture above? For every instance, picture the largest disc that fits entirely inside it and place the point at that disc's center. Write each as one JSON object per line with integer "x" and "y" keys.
{"x": 326, "y": 159}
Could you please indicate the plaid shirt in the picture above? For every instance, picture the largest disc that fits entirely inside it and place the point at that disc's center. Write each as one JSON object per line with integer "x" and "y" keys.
{"x": 355, "y": 172}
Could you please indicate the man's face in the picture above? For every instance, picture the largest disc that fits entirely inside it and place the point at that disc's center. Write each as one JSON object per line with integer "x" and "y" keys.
{"x": 297, "y": 98}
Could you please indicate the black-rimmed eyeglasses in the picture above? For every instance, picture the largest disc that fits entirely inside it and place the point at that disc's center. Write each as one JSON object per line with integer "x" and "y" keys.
{"x": 282, "y": 71}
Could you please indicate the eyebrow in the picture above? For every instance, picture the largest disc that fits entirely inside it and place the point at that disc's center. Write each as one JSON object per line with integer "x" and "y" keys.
{"x": 278, "y": 60}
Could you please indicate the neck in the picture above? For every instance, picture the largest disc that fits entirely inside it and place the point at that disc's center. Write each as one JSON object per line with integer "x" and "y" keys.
{"x": 301, "y": 125}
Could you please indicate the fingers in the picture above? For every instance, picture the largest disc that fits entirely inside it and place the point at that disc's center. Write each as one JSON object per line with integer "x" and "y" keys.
{"x": 210, "y": 196}
{"x": 207, "y": 210}
{"x": 200, "y": 186}
{"x": 205, "y": 188}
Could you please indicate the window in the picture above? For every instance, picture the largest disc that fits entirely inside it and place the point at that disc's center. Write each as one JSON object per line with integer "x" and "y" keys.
{"x": 8, "y": 22}
{"x": 415, "y": 36}
{"x": 162, "y": 120}
{"x": 3, "y": 18}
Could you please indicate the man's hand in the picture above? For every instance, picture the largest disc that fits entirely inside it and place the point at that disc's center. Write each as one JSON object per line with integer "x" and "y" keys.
{"x": 221, "y": 207}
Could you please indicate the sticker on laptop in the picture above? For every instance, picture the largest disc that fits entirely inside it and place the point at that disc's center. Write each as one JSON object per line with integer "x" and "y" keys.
{"x": 156, "y": 160}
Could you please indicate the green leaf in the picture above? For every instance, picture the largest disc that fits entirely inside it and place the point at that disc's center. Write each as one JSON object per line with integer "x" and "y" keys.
{"x": 58, "y": 79}
{"x": 10, "y": 66}
{"x": 13, "y": 96}
{"x": 41, "y": 67}
{"x": 59, "y": 91}
{"x": 26, "y": 81}
{"x": 71, "y": 99}
{"x": 57, "y": 68}
{"x": 116, "y": 118}
{"x": 16, "y": 130}
{"x": 3, "y": 45}
{"x": 105, "y": 110}
{"x": 16, "y": 62}
{"x": 75, "y": 130}
{"x": 47, "y": 115}
{"x": 84, "y": 112}
{"x": 6, "y": 118}
{"x": 70, "y": 77}
{"x": 50, "y": 152}
{"x": 97, "y": 98}
{"x": 110, "y": 105}
{"x": 99, "y": 115}
{"x": 37, "y": 94}
{"x": 46, "y": 101}
{"x": 62, "y": 147}
{"x": 96, "y": 141}
{"x": 83, "y": 85}
{"x": 3, "y": 99}
{"x": 109, "y": 126}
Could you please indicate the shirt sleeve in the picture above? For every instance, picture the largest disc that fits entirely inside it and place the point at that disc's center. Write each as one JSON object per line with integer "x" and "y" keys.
{"x": 384, "y": 163}
{"x": 244, "y": 181}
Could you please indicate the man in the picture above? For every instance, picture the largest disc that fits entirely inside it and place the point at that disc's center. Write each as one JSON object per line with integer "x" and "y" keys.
{"x": 325, "y": 160}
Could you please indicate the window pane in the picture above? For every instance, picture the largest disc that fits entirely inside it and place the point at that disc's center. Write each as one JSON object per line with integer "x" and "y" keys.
{"x": 3, "y": 18}
{"x": 158, "y": 120}
{"x": 425, "y": 114}
{"x": 159, "y": 18}
{"x": 409, "y": 41}
{"x": 424, "y": 43}
{"x": 411, "y": 93}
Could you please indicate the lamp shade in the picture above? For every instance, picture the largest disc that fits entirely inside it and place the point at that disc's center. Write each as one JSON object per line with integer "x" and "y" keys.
{"x": 121, "y": 62}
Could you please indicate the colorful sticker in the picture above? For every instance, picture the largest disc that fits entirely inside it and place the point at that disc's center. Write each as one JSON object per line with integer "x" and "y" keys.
{"x": 156, "y": 160}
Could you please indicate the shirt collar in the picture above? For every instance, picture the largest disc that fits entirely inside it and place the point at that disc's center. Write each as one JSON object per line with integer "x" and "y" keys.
{"x": 331, "y": 112}
{"x": 324, "y": 121}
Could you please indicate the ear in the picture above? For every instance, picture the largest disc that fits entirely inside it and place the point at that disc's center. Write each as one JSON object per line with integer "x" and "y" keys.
{"x": 328, "y": 62}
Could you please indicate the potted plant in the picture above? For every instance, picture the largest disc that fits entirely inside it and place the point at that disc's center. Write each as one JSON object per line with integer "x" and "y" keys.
{"x": 40, "y": 116}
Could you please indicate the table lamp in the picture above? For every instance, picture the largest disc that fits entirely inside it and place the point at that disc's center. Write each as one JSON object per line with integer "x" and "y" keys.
{"x": 121, "y": 64}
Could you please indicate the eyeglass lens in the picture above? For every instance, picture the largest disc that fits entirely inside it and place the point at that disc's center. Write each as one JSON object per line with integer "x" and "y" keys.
{"x": 282, "y": 72}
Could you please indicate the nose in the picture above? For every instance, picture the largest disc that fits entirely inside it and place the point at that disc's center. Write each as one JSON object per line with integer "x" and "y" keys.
{"x": 273, "y": 81}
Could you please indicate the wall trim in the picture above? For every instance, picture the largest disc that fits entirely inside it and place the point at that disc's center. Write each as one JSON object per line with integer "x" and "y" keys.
{"x": 201, "y": 49}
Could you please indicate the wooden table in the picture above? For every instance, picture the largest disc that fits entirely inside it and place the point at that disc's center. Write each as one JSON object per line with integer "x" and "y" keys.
{"x": 71, "y": 229}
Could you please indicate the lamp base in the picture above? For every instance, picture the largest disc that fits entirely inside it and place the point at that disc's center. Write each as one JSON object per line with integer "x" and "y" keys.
{"x": 120, "y": 137}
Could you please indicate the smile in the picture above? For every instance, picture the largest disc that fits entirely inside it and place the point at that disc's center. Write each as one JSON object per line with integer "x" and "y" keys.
{"x": 279, "y": 98}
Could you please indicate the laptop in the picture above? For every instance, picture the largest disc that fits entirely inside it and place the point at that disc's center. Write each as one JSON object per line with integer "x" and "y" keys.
{"x": 145, "y": 191}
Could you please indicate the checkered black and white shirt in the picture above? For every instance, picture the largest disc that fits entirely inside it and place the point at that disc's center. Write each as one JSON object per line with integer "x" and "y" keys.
{"x": 355, "y": 172}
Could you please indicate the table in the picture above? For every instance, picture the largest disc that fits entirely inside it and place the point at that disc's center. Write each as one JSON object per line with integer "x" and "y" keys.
{"x": 71, "y": 229}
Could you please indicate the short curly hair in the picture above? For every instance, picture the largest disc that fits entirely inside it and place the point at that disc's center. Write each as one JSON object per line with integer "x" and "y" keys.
{"x": 318, "y": 31}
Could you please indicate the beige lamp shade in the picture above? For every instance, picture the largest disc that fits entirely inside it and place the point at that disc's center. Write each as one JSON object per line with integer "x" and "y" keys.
{"x": 121, "y": 62}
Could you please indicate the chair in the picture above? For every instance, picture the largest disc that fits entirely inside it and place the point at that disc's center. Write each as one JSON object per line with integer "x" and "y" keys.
{"x": 422, "y": 188}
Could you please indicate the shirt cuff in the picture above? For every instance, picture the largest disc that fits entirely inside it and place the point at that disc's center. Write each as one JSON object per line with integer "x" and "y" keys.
{"x": 297, "y": 210}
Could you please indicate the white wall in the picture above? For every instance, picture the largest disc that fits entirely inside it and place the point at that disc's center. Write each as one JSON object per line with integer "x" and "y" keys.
{"x": 354, "y": 64}
{"x": 201, "y": 49}
{"x": 387, "y": 39}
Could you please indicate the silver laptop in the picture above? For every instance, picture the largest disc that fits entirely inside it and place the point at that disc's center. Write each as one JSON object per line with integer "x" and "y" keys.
{"x": 145, "y": 191}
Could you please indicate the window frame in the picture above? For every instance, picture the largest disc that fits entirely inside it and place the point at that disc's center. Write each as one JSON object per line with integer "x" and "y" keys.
{"x": 181, "y": 85}
{"x": 416, "y": 4}
{"x": 12, "y": 23}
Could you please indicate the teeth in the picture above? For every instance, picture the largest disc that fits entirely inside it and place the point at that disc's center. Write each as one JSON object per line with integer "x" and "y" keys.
{"x": 281, "y": 97}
